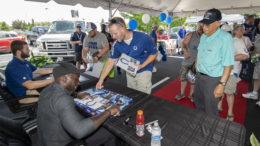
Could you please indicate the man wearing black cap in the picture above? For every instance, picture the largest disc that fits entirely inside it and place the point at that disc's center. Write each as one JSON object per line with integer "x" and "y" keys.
{"x": 214, "y": 63}
{"x": 76, "y": 40}
{"x": 59, "y": 123}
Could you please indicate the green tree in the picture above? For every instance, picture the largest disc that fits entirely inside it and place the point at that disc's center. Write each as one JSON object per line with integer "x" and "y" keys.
{"x": 177, "y": 21}
{"x": 30, "y": 25}
{"x": 4, "y": 26}
{"x": 17, "y": 24}
{"x": 24, "y": 26}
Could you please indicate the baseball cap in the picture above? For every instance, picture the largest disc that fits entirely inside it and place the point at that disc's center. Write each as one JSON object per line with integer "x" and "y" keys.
{"x": 155, "y": 25}
{"x": 64, "y": 69}
{"x": 211, "y": 16}
{"x": 78, "y": 25}
{"x": 226, "y": 28}
{"x": 90, "y": 26}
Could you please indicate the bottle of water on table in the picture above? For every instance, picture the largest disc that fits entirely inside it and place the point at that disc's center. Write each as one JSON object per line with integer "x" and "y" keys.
{"x": 156, "y": 135}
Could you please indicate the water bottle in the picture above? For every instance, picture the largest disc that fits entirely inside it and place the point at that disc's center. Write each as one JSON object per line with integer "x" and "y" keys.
{"x": 140, "y": 123}
{"x": 156, "y": 135}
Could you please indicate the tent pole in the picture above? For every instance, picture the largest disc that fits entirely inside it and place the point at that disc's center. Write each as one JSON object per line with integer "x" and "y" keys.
{"x": 110, "y": 11}
{"x": 117, "y": 8}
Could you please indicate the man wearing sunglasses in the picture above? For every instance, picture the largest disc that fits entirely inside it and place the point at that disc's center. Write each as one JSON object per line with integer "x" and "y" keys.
{"x": 136, "y": 45}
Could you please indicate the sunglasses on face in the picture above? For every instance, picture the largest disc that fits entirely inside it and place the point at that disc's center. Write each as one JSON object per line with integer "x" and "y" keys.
{"x": 114, "y": 21}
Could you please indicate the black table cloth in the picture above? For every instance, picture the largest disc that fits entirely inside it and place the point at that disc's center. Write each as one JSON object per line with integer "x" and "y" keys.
{"x": 181, "y": 126}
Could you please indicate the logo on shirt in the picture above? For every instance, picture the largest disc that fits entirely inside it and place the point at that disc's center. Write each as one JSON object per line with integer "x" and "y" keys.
{"x": 92, "y": 45}
{"x": 135, "y": 48}
{"x": 24, "y": 78}
{"x": 27, "y": 65}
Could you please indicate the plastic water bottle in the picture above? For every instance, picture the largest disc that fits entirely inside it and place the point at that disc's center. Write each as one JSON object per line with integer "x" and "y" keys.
{"x": 156, "y": 135}
{"x": 140, "y": 123}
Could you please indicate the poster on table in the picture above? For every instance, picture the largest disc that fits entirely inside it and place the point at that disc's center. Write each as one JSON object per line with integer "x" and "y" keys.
{"x": 98, "y": 101}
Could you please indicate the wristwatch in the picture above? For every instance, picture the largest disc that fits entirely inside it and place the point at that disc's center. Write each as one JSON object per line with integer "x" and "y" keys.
{"x": 222, "y": 83}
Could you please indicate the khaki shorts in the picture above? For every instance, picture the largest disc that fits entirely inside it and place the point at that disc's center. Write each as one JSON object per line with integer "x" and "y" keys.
{"x": 183, "y": 72}
{"x": 31, "y": 99}
{"x": 231, "y": 85}
{"x": 256, "y": 74}
{"x": 141, "y": 82}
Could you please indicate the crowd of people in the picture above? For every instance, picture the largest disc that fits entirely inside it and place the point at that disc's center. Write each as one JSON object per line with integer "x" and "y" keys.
{"x": 219, "y": 54}
{"x": 214, "y": 51}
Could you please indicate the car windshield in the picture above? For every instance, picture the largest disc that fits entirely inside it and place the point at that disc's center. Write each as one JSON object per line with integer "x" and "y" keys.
{"x": 65, "y": 26}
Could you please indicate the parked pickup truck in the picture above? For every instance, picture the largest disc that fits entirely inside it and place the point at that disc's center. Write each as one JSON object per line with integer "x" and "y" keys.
{"x": 55, "y": 43}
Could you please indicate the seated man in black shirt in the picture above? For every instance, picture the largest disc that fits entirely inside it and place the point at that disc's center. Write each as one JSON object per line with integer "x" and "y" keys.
{"x": 59, "y": 123}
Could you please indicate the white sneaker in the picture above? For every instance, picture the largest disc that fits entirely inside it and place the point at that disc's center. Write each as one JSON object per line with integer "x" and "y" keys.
{"x": 250, "y": 95}
{"x": 258, "y": 103}
{"x": 154, "y": 69}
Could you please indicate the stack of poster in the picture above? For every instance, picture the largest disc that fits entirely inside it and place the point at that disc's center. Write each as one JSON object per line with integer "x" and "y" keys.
{"x": 98, "y": 101}
{"x": 128, "y": 64}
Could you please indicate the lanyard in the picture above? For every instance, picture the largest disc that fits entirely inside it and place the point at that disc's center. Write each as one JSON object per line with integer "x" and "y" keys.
{"x": 79, "y": 36}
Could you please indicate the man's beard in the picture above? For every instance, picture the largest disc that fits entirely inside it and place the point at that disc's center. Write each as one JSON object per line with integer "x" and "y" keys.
{"x": 23, "y": 55}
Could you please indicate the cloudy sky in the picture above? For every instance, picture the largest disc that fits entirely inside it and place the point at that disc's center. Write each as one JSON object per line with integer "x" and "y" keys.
{"x": 11, "y": 10}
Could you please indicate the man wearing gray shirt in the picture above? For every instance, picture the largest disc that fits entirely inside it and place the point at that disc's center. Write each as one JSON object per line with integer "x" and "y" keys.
{"x": 59, "y": 123}
{"x": 189, "y": 46}
{"x": 96, "y": 44}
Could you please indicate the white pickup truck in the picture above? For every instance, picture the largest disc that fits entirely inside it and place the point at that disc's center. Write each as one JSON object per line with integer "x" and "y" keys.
{"x": 55, "y": 43}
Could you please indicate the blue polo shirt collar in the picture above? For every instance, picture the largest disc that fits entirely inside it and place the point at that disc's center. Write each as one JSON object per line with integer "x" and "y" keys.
{"x": 17, "y": 60}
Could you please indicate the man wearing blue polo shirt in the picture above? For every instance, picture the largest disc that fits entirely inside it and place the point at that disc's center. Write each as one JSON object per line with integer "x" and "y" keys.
{"x": 154, "y": 38}
{"x": 19, "y": 71}
{"x": 214, "y": 63}
{"x": 137, "y": 45}
{"x": 76, "y": 40}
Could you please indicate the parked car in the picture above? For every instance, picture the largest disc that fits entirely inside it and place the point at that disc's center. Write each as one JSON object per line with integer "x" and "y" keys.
{"x": 36, "y": 32}
{"x": 6, "y": 38}
{"x": 165, "y": 36}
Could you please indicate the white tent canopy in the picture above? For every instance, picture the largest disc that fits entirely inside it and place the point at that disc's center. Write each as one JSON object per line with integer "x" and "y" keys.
{"x": 178, "y": 7}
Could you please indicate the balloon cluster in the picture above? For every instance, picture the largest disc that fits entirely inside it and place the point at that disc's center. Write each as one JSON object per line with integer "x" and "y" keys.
{"x": 163, "y": 16}
{"x": 146, "y": 18}
{"x": 133, "y": 23}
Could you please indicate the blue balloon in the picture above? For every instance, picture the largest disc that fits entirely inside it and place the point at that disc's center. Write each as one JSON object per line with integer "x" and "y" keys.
{"x": 132, "y": 24}
{"x": 169, "y": 20}
{"x": 162, "y": 16}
